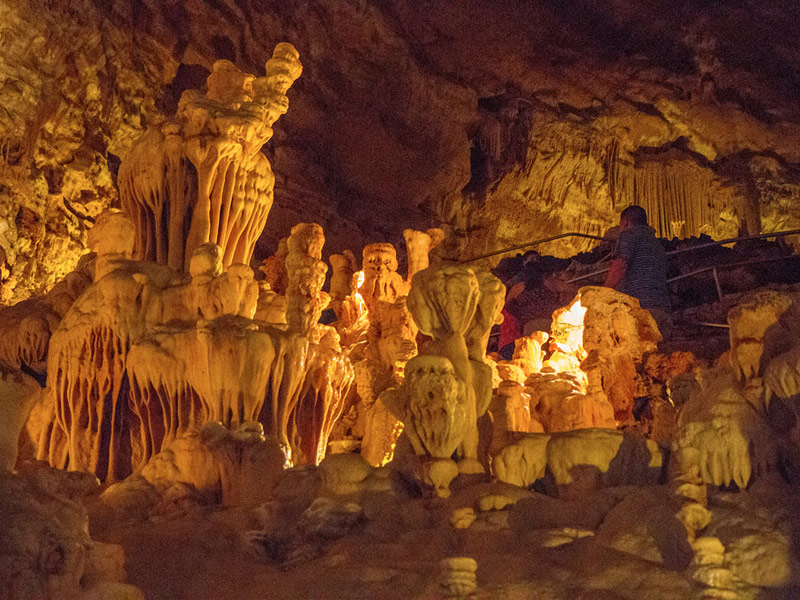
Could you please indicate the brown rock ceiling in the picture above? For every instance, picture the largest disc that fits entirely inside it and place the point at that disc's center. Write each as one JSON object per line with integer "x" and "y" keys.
{"x": 689, "y": 108}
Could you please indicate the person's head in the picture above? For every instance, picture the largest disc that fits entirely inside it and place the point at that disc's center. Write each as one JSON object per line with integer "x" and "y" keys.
{"x": 631, "y": 216}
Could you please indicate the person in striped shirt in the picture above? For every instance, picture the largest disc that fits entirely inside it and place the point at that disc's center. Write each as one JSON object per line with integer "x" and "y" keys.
{"x": 639, "y": 267}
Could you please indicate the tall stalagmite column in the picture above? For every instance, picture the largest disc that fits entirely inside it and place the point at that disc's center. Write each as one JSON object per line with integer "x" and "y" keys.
{"x": 200, "y": 176}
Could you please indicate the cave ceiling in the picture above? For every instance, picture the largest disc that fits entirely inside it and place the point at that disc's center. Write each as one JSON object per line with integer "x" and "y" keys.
{"x": 500, "y": 121}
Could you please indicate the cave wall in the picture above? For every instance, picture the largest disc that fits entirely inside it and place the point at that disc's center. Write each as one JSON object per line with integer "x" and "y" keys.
{"x": 502, "y": 121}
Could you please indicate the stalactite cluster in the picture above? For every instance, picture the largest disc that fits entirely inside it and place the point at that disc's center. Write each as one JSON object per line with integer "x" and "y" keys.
{"x": 681, "y": 199}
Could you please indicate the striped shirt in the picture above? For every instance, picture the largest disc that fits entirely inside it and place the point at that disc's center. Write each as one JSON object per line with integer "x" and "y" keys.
{"x": 645, "y": 267}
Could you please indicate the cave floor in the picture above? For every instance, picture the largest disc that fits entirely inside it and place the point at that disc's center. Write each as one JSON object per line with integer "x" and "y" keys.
{"x": 395, "y": 549}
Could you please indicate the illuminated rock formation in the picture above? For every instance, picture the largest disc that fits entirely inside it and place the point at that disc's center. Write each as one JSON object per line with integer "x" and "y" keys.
{"x": 617, "y": 333}
{"x": 200, "y": 177}
{"x": 274, "y": 268}
{"x": 344, "y": 267}
{"x": 523, "y": 462}
{"x": 761, "y": 326}
{"x": 584, "y": 459}
{"x": 28, "y": 325}
{"x": 18, "y": 392}
{"x": 352, "y": 318}
{"x": 446, "y": 389}
{"x": 390, "y": 341}
{"x": 721, "y": 438}
{"x": 149, "y": 353}
{"x": 731, "y": 408}
{"x": 419, "y": 245}
{"x": 306, "y": 276}
{"x": 580, "y": 461}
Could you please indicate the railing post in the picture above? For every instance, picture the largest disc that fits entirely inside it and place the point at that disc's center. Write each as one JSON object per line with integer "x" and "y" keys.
{"x": 716, "y": 281}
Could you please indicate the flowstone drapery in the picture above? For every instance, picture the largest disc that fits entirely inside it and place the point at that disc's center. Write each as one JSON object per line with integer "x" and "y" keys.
{"x": 201, "y": 177}
{"x": 161, "y": 347}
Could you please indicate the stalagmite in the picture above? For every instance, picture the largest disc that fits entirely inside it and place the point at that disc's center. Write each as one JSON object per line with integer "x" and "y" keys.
{"x": 446, "y": 389}
{"x": 317, "y": 374}
{"x": 86, "y": 369}
{"x": 419, "y": 245}
{"x": 390, "y": 343}
{"x": 200, "y": 176}
{"x": 617, "y": 333}
{"x": 306, "y": 276}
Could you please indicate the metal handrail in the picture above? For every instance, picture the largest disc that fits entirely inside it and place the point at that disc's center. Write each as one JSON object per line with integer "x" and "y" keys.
{"x": 534, "y": 243}
{"x": 707, "y": 245}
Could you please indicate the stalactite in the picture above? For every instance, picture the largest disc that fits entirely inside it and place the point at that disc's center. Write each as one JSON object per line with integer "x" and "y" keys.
{"x": 680, "y": 192}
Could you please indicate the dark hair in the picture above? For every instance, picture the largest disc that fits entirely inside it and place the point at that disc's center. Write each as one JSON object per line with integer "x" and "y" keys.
{"x": 635, "y": 215}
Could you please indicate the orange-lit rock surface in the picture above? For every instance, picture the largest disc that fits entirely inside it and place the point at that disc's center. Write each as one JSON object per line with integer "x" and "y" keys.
{"x": 202, "y": 383}
{"x": 465, "y": 116}
{"x": 201, "y": 177}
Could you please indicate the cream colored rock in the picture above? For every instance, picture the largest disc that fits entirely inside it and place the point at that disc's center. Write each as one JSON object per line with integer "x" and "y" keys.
{"x": 694, "y": 516}
{"x": 438, "y": 473}
{"x": 18, "y": 393}
{"x": 456, "y": 308}
{"x": 306, "y": 276}
{"x": 186, "y": 460}
{"x": 761, "y": 326}
{"x": 522, "y": 462}
{"x": 344, "y": 267}
{"x": 782, "y": 375}
{"x": 270, "y": 306}
{"x": 720, "y": 436}
{"x": 529, "y": 353}
{"x": 352, "y": 316}
{"x": 274, "y": 268}
{"x": 202, "y": 171}
{"x": 584, "y": 459}
{"x": 419, "y": 245}
{"x": 513, "y": 411}
{"x": 381, "y": 280}
{"x": 28, "y": 325}
{"x": 463, "y": 517}
{"x": 458, "y": 579}
{"x": 390, "y": 342}
{"x": 561, "y": 404}
{"x": 242, "y": 463}
{"x": 617, "y": 333}
{"x": 192, "y": 354}
{"x": 432, "y": 404}
{"x": 708, "y": 551}
{"x": 249, "y": 463}
{"x": 495, "y": 502}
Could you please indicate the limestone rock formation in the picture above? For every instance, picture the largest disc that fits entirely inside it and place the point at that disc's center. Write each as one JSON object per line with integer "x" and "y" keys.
{"x": 390, "y": 342}
{"x": 18, "y": 393}
{"x": 47, "y": 550}
{"x": 721, "y": 437}
{"x": 543, "y": 134}
{"x": 201, "y": 177}
{"x": 761, "y": 327}
{"x": 617, "y": 333}
{"x": 448, "y": 386}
